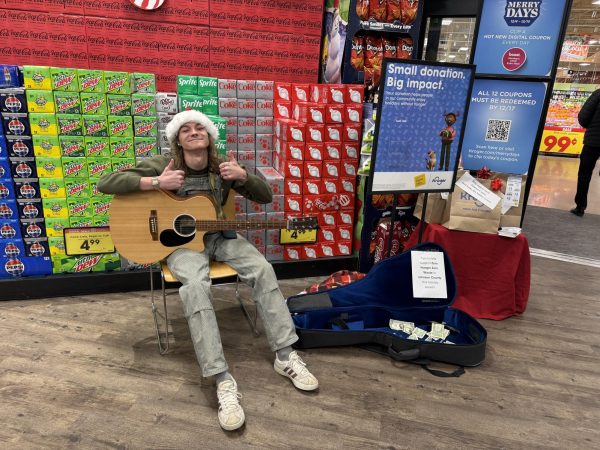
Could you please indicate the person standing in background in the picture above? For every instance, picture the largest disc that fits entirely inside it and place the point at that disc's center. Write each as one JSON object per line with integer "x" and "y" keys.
{"x": 589, "y": 118}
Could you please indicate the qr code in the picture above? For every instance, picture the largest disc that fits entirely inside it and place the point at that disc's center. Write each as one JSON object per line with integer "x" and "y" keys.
{"x": 498, "y": 130}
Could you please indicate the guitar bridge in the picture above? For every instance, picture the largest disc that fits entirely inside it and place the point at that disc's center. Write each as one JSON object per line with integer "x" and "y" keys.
{"x": 153, "y": 224}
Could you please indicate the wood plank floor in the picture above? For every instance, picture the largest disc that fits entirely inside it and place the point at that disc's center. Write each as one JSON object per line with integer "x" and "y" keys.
{"x": 84, "y": 372}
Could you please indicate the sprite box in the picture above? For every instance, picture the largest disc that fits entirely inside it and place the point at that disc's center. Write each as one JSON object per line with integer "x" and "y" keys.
{"x": 208, "y": 87}
{"x": 43, "y": 124}
{"x": 145, "y": 147}
{"x": 70, "y": 124}
{"x": 101, "y": 205}
{"x": 187, "y": 84}
{"x": 121, "y": 126}
{"x": 121, "y": 147}
{"x": 119, "y": 164}
{"x": 98, "y": 167}
{"x": 221, "y": 124}
{"x": 143, "y": 83}
{"x": 39, "y": 101}
{"x": 95, "y": 125}
{"x": 74, "y": 167}
{"x": 46, "y": 146}
{"x": 117, "y": 82}
{"x": 55, "y": 208}
{"x": 52, "y": 188}
{"x": 77, "y": 187}
{"x": 210, "y": 105}
{"x": 90, "y": 80}
{"x": 49, "y": 167}
{"x": 93, "y": 103}
{"x": 37, "y": 77}
{"x": 100, "y": 221}
{"x": 55, "y": 226}
{"x": 72, "y": 145}
{"x": 67, "y": 102}
{"x": 221, "y": 148}
{"x": 57, "y": 245}
{"x": 64, "y": 79}
{"x": 79, "y": 206}
{"x": 119, "y": 105}
{"x": 143, "y": 105}
{"x": 81, "y": 221}
{"x": 96, "y": 147}
{"x": 145, "y": 126}
{"x": 186, "y": 102}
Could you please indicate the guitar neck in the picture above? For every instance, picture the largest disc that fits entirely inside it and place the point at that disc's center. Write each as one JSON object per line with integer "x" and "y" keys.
{"x": 218, "y": 225}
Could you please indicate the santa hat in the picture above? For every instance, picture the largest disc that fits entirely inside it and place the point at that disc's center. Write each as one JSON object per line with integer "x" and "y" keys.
{"x": 147, "y": 5}
{"x": 184, "y": 117}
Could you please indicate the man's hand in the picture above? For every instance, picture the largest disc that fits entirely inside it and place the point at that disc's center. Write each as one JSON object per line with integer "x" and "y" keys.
{"x": 171, "y": 179}
{"x": 231, "y": 170}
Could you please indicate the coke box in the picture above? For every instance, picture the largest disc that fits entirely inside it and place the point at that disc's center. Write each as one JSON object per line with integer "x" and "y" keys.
{"x": 349, "y": 168}
{"x": 313, "y": 169}
{"x": 274, "y": 252}
{"x": 331, "y": 168}
{"x": 253, "y": 207}
{"x": 25, "y": 266}
{"x": 356, "y": 93}
{"x": 292, "y": 152}
{"x": 330, "y": 186}
{"x": 282, "y": 110}
{"x": 292, "y": 203}
{"x": 293, "y": 187}
{"x": 344, "y": 248}
{"x": 231, "y": 142}
{"x": 334, "y": 114}
{"x": 228, "y": 107}
{"x": 246, "y": 125}
{"x": 258, "y": 238}
{"x": 326, "y": 234}
{"x": 290, "y": 130}
{"x": 276, "y": 216}
{"x": 292, "y": 252}
{"x": 353, "y": 113}
{"x": 333, "y": 150}
{"x": 276, "y": 205}
{"x": 328, "y": 219}
{"x": 336, "y": 94}
{"x": 240, "y": 203}
{"x": 311, "y": 186}
{"x": 11, "y": 248}
{"x": 309, "y": 112}
{"x": 256, "y": 217}
{"x": 227, "y": 88}
{"x": 343, "y": 233}
{"x": 264, "y": 107}
{"x": 320, "y": 203}
{"x": 348, "y": 184}
{"x": 273, "y": 178}
{"x": 345, "y": 217}
{"x": 310, "y": 251}
{"x": 351, "y": 133}
{"x": 264, "y": 125}
{"x": 318, "y": 93}
{"x": 264, "y": 141}
{"x": 272, "y": 237}
{"x": 282, "y": 91}
{"x": 8, "y": 209}
{"x": 246, "y": 142}
{"x": 246, "y": 89}
{"x": 313, "y": 152}
{"x": 315, "y": 133}
{"x": 350, "y": 150}
{"x": 246, "y": 107}
{"x": 327, "y": 250}
{"x": 300, "y": 92}
{"x": 246, "y": 158}
{"x": 333, "y": 133}
{"x": 264, "y": 89}
{"x": 264, "y": 158}
{"x": 231, "y": 124}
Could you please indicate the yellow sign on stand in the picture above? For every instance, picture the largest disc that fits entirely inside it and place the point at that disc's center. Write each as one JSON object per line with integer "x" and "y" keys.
{"x": 297, "y": 236}
{"x": 562, "y": 140}
{"x": 88, "y": 241}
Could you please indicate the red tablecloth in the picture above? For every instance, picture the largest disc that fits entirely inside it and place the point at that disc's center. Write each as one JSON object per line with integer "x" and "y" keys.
{"x": 492, "y": 272}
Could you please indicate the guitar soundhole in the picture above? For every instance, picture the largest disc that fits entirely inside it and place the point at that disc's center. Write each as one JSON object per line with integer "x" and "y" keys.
{"x": 185, "y": 225}
{"x": 169, "y": 238}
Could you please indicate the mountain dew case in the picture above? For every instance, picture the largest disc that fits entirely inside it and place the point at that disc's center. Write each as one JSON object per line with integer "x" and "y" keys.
{"x": 43, "y": 124}
{"x": 80, "y": 206}
{"x": 221, "y": 124}
{"x": 121, "y": 147}
{"x": 87, "y": 263}
{"x": 208, "y": 87}
{"x": 143, "y": 105}
{"x": 72, "y": 146}
{"x": 55, "y": 226}
{"x": 101, "y": 205}
{"x": 145, "y": 126}
{"x": 119, "y": 164}
{"x": 100, "y": 221}
{"x": 55, "y": 208}
{"x": 98, "y": 167}
{"x": 145, "y": 147}
{"x": 94, "y": 192}
{"x": 117, "y": 82}
{"x": 57, "y": 245}
{"x": 39, "y": 101}
{"x": 70, "y": 124}
{"x": 91, "y": 80}
{"x": 46, "y": 146}
{"x": 143, "y": 83}
{"x": 120, "y": 126}
{"x": 187, "y": 85}
{"x": 52, "y": 188}
{"x": 77, "y": 187}
{"x": 74, "y": 167}
{"x": 93, "y": 103}
{"x": 48, "y": 167}
{"x": 81, "y": 221}
{"x": 119, "y": 105}
{"x": 210, "y": 105}
{"x": 95, "y": 125}
{"x": 64, "y": 79}
{"x": 67, "y": 102}
{"x": 37, "y": 77}
{"x": 96, "y": 147}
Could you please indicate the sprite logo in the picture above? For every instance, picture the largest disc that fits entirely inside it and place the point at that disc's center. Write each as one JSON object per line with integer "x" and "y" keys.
{"x": 211, "y": 101}
{"x": 118, "y": 127}
{"x": 38, "y": 77}
{"x": 141, "y": 107}
{"x": 86, "y": 263}
{"x": 40, "y": 101}
{"x": 89, "y": 82}
{"x": 64, "y": 104}
{"x": 63, "y": 80}
{"x": 74, "y": 167}
{"x": 191, "y": 103}
{"x": 98, "y": 168}
{"x": 115, "y": 83}
{"x": 76, "y": 189}
{"x": 78, "y": 208}
{"x": 101, "y": 207}
{"x": 144, "y": 128}
{"x": 188, "y": 81}
{"x": 207, "y": 83}
{"x": 91, "y": 105}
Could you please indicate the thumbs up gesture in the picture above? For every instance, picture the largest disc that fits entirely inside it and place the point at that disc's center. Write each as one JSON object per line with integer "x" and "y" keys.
{"x": 171, "y": 179}
{"x": 231, "y": 170}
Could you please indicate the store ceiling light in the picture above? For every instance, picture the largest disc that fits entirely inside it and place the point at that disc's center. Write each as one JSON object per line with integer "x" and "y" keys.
{"x": 596, "y": 2}
{"x": 463, "y": 49}
{"x": 452, "y": 56}
{"x": 584, "y": 64}
{"x": 449, "y": 21}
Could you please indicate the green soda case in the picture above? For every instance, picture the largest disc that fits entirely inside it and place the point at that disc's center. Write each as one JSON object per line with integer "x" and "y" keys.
{"x": 210, "y": 105}
{"x": 43, "y": 124}
{"x": 46, "y": 146}
{"x": 86, "y": 263}
{"x": 70, "y": 124}
{"x": 143, "y": 105}
{"x": 221, "y": 148}
{"x": 94, "y": 192}
{"x": 39, "y": 101}
{"x": 77, "y": 187}
{"x": 100, "y": 206}
{"x": 145, "y": 147}
{"x": 121, "y": 147}
{"x": 117, "y": 82}
{"x": 81, "y": 221}
{"x": 67, "y": 102}
{"x": 64, "y": 79}
{"x": 208, "y": 87}
{"x": 93, "y": 103}
{"x": 52, "y": 188}
{"x": 145, "y": 126}
{"x": 37, "y": 77}
{"x": 49, "y": 167}
{"x": 143, "y": 83}
{"x": 96, "y": 147}
{"x": 95, "y": 125}
{"x": 74, "y": 167}
{"x": 72, "y": 146}
{"x": 187, "y": 85}
{"x": 91, "y": 80}
{"x": 119, "y": 105}
{"x": 98, "y": 167}
{"x": 186, "y": 102}
{"x": 119, "y": 164}
{"x": 120, "y": 126}
{"x": 57, "y": 245}
{"x": 80, "y": 206}
{"x": 55, "y": 226}
{"x": 55, "y": 208}
{"x": 100, "y": 221}
{"x": 221, "y": 124}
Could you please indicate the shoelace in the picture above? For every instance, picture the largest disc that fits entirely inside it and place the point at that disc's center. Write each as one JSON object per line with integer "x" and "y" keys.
{"x": 229, "y": 398}
{"x": 298, "y": 365}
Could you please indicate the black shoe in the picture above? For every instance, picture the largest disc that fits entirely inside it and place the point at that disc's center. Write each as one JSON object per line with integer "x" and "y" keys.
{"x": 577, "y": 211}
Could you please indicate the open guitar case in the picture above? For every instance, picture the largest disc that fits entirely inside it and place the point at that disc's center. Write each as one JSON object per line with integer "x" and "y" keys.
{"x": 359, "y": 314}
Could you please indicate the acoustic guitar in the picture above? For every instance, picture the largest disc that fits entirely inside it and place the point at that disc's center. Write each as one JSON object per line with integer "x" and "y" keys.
{"x": 148, "y": 226}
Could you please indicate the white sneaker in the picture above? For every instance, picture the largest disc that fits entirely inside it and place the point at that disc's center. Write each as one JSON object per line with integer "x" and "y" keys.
{"x": 231, "y": 415}
{"x": 295, "y": 369}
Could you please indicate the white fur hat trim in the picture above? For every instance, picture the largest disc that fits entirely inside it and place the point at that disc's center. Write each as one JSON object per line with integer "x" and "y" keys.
{"x": 184, "y": 117}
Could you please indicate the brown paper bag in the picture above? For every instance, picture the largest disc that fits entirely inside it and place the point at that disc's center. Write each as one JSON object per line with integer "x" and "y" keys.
{"x": 512, "y": 218}
{"x": 437, "y": 211}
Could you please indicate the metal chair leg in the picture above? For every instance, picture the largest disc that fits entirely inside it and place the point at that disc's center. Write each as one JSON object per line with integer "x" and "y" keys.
{"x": 251, "y": 318}
{"x": 162, "y": 337}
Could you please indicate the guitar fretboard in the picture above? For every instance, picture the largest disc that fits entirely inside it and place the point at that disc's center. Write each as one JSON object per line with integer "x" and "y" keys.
{"x": 217, "y": 225}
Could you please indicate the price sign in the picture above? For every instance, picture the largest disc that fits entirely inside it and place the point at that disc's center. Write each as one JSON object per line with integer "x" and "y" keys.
{"x": 563, "y": 141}
{"x": 297, "y": 236}
{"x": 88, "y": 241}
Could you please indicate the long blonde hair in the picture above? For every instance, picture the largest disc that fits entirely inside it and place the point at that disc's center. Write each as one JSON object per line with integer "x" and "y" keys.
{"x": 213, "y": 156}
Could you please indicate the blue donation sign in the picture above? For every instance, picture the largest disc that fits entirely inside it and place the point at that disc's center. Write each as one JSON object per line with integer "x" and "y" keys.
{"x": 518, "y": 37}
{"x": 420, "y": 120}
{"x": 502, "y": 125}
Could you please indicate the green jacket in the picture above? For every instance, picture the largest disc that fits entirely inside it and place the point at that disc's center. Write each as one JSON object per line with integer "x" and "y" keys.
{"x": 254, "y": 189}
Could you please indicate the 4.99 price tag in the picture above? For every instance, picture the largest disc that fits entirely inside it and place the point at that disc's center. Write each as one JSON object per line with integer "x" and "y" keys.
{"x": 88, "y": 241}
